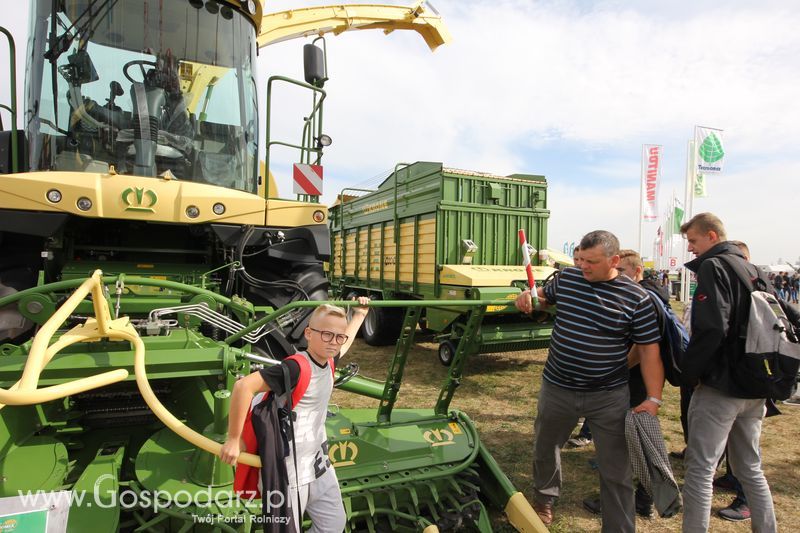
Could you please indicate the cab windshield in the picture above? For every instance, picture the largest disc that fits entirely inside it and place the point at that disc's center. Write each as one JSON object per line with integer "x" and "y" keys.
{"x": 149, "y": 87}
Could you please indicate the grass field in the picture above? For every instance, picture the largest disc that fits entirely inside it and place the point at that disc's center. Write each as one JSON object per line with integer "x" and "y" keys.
{"x": 499, "y": 393}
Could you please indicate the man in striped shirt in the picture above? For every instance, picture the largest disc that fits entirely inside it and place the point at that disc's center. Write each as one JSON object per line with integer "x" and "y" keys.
{"x": 601, "y": 316}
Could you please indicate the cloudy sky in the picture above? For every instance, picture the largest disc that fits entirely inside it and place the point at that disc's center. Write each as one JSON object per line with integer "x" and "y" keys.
{"x": 571, "y": 90}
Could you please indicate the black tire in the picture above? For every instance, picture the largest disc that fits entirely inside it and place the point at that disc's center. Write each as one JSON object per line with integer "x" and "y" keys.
{"x": 311, "y": 277}
{"x": 19, "y": 269}
{"x": 447, "y": 352}
{"x": 382, "y": 326}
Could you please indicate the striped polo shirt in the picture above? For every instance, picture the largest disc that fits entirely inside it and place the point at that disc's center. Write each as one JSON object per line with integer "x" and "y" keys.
{"x": 596, "y": 325}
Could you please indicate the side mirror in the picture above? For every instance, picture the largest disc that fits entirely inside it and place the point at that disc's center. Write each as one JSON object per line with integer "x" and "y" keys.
{"x": 314, "y": 65}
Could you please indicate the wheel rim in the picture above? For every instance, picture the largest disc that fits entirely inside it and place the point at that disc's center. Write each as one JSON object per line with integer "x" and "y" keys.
{"x": 445, "y": 353}
{"x": 370, "y": 324}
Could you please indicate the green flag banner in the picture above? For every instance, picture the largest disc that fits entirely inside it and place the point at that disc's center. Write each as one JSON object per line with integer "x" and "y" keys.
{"x": 700, "y": 186}
{"x": 677, "y": 218}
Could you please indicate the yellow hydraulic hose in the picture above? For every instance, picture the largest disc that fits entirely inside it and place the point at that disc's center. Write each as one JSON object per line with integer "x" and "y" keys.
{"x": 34, "y": 365}
{"x": 168, "y": 418}
{"x": 65, "y": 340}
{"x": 24, "y": 391}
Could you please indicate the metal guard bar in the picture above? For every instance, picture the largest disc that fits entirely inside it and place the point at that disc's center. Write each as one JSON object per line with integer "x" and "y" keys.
{"x": 350, "y": 303}
{"x": 129, "y": 280}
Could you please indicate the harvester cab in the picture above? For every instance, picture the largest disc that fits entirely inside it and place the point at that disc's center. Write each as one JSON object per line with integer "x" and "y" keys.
{"x": 146, "y": 90}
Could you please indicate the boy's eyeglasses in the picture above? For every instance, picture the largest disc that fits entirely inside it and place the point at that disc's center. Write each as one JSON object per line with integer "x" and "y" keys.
{"x": 328, "y": 336}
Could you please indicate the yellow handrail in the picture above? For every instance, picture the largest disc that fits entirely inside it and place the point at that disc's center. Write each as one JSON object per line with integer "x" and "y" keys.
{"x": 24, "y": 392}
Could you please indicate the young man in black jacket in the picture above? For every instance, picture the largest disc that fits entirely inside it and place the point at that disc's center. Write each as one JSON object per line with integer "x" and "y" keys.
{"x": 720, "y": 411}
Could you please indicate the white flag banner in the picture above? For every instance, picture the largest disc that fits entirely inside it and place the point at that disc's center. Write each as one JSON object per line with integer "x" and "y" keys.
{"x": 651, "y": 173}
{"x": 710, "y": 150}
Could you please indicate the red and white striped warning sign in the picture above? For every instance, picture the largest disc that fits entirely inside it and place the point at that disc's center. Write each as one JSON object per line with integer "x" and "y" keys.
{"x": 307, "y": 179}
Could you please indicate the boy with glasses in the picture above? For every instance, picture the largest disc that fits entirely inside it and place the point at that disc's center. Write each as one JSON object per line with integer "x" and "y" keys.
{"x": 314, "y": 481}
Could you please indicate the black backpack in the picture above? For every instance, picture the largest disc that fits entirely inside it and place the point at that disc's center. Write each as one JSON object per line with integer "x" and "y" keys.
{"x": 768, "y": 365}
{"x": 674, "y": 339}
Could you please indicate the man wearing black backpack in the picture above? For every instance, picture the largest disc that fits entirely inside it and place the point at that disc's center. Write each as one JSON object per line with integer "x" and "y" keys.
{"x": 721, "y": 410}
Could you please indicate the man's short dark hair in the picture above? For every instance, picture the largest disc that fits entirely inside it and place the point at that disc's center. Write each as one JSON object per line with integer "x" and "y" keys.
{"x": 605, "y": 239}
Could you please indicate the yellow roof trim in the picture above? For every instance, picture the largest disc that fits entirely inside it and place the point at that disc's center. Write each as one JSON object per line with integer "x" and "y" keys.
{"x": 294, "y": 23}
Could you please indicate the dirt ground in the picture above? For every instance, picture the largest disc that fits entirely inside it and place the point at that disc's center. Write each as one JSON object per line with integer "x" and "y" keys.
{"x": 499, "y": 393}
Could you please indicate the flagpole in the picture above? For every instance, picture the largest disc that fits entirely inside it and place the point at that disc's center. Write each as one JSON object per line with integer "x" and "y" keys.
{"x": 668, "y": 233}
{"x": 687, "y": 214}
{"x": 671, "y": 226}
{"x": 641, "y": 205}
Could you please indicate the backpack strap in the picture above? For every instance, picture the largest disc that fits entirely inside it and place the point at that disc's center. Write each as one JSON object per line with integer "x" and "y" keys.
{"x": 304, "y": 379}
{"x": 660, "y": 309}
{"x": 749, "y": 276}
{"x": 287, "y": 386}
{"x": 305, "y": 375}
{"x": 245, "y": 480}
{"x": 739, "y": 267}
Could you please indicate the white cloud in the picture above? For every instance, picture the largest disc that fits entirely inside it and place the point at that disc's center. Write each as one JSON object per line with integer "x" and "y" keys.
{"x": 522, "y": 77}
{"x": 526, "y": 74}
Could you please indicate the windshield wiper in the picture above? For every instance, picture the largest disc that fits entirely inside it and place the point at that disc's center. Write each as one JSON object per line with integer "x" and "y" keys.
{"x": 64, "y": 41}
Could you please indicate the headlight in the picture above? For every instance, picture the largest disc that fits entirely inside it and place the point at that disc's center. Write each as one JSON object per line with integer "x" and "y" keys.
{"x": 54, "y": 196}
{"x": 84, "y": 204}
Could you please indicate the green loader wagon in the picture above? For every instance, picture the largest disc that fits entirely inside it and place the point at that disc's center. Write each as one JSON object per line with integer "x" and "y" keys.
{"x": 434, "y": 233}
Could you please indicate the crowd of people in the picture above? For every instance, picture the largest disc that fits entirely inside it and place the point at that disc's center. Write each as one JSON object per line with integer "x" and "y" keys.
{"x": 604, "y": 365}
{"x": 787, "y": 285}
